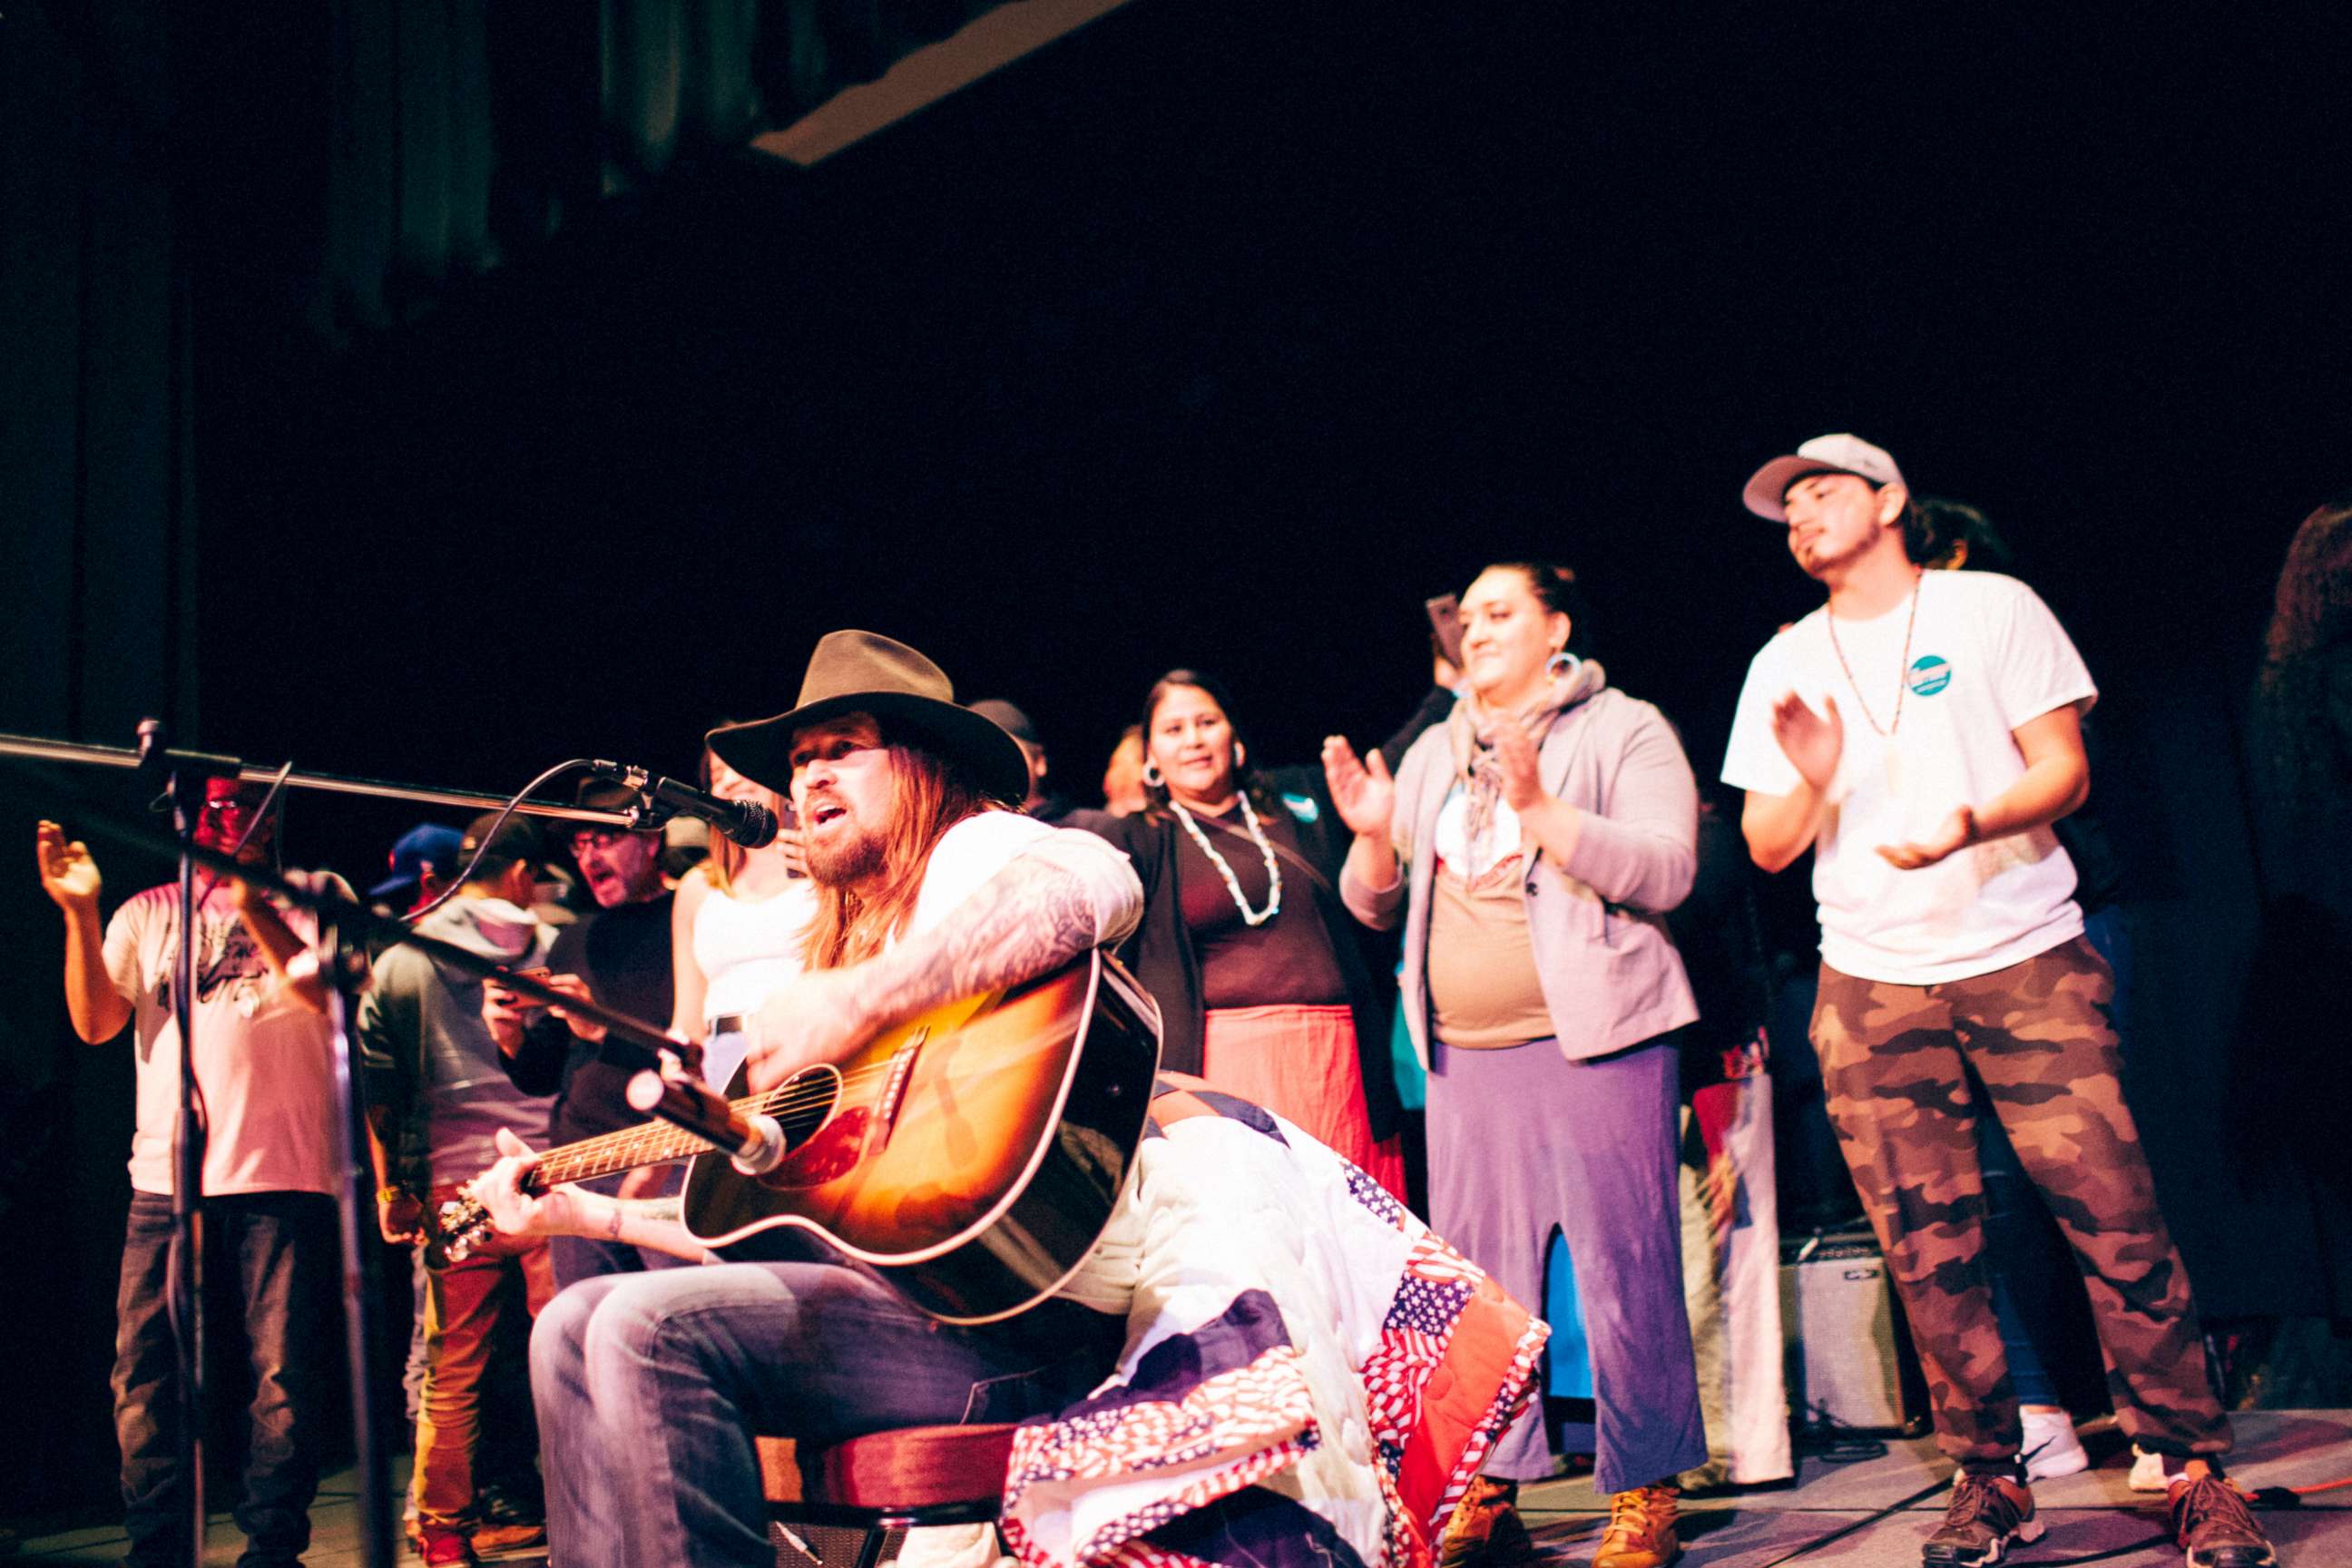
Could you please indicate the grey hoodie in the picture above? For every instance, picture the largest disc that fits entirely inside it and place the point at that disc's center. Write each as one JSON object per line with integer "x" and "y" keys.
{"x": 430, "y": 1057}
{"x": 1610, "y": 974}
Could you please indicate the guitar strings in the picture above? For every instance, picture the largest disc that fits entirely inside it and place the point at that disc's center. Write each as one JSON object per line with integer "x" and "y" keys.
{"x": 654, "y": 1142}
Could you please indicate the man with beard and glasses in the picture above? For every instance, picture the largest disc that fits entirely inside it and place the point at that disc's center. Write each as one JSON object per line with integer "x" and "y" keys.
{"x": 619, "y": 955}
{"x": 1919, "y": 733}
{"x": 264, "y": 1067}
{"x": 927, "y": 889}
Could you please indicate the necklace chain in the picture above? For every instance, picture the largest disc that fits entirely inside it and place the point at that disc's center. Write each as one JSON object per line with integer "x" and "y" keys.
{"x": 1902, "y": 669}
{"x": 1233, "y": 884}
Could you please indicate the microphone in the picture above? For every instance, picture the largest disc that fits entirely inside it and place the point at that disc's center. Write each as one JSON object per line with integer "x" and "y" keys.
{"x": 747, "y": 822}
{"x": 755, "y": 1143}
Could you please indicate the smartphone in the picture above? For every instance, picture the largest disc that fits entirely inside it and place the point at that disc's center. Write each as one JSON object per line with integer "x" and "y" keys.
{"x": 541, "y": 973}
{"x": 1445, "y": 620}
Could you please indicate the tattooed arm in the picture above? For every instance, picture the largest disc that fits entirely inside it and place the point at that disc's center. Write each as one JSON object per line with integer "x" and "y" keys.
{"x": 657, "y": 1222}
{"x": 1060, "y": 893}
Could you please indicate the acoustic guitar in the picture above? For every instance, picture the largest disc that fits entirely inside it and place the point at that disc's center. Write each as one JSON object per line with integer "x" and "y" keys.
{"x": 971, "y": 1155}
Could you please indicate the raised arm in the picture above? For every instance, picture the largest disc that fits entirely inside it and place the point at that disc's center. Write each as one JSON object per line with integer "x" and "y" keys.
{"x": 2056, "y": 781}
{"x": 1779, "y": 828}
{"x": 279, "y": 946}
{"x": 1370, "y": 885}
{"x": 71, "y": 879}
{"x": 1644, "y": 850}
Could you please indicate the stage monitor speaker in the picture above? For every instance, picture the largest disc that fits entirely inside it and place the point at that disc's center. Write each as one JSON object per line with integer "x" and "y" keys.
{"x": 1849, "y": 1357}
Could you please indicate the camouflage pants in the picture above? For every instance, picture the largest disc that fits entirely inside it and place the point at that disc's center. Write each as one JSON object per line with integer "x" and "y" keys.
{"x": 1904, "y": 1067}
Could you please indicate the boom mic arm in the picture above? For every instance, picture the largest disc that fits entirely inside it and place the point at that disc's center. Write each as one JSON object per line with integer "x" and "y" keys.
{"x": 749, "y": 824}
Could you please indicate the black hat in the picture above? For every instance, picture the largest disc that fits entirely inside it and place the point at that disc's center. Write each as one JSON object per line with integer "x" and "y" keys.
{"x": 520, "y": 839}
{"x": 1009, "y": 719}
{"x": 864, "y": 672}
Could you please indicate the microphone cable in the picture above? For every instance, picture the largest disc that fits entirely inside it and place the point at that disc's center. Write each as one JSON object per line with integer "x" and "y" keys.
{"x": 418, "y": 913}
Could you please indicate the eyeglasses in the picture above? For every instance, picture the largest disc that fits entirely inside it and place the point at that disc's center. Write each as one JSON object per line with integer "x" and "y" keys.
{"x": 598, "y": 838}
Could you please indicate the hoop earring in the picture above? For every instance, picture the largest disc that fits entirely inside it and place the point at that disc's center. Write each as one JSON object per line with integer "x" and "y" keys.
{"x": 1152, "y": 778}
{"x": 1562, "y": 663}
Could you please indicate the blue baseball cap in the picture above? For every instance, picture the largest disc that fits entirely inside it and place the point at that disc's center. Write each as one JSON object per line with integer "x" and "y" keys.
{"x": 427, "y": 844}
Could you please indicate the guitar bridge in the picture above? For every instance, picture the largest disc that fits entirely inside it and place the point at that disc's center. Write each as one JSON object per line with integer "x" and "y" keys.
{"x": 894, "y": 1093}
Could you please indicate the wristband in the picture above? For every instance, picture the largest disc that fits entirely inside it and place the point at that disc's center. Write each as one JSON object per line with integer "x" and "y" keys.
{"x": 613, "y": 1228}
{"x": 385, "y": 1194}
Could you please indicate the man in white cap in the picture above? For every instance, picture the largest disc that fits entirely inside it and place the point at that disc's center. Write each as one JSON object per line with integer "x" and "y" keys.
{"x": 1919, "y": 733}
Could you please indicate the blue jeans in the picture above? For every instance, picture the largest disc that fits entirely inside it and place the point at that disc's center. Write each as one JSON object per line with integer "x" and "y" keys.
{"x": 650, "y": 1388}
{"x": 277, "y": 1253}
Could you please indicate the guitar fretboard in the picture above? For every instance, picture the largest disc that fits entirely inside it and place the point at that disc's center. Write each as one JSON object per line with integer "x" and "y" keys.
{"x": 627, "y": 1149}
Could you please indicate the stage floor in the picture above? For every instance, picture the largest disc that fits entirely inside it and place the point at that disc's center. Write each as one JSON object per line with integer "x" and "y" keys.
{"x": 1870, "y": 1513}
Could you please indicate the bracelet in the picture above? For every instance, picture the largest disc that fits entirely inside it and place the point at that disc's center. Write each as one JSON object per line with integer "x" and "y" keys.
{"x": 385, "y": 1194}
{"x": 613, "y": 1230}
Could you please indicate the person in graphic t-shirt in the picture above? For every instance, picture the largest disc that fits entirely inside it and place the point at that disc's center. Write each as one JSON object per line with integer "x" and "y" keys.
{"x": 263, "y": 1065}
{"x": 1919, "y": 733}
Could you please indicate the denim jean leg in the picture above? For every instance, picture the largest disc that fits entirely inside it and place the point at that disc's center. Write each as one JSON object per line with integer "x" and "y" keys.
{"x": 651, "y": 1385}
{"x": 146, "y": 1389}
{"x": 285, "y": 1249}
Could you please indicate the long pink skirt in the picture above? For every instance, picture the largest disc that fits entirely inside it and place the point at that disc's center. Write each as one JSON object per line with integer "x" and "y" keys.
{"x": 1300, "y": 1064}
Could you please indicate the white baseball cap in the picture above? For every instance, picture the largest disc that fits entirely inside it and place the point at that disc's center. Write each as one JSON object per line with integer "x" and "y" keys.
{"x": 1822, "y": 455}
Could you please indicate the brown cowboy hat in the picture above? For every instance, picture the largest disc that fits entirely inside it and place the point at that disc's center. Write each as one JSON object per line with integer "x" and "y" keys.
{"x": 865, "y": 672}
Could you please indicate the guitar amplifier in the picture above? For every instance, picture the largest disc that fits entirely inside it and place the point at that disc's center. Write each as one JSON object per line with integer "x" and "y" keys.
{"x": 1850, "y": 1362}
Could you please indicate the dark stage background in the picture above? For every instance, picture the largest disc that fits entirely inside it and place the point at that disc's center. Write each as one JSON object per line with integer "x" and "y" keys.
{"x": 1217, "y": 334}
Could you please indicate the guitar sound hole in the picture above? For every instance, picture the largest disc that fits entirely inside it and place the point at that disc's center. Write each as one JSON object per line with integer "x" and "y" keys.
{"x": 808, "y": 1099}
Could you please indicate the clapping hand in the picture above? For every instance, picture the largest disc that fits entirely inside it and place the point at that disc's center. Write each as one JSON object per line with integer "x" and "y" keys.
{"x": 1516, "y": 758}
{"x": 1952, "y": 834}
{"x": 68, "y": 875}
{"x": 1360, "y": 788}
{"x": 1811, "y": 741}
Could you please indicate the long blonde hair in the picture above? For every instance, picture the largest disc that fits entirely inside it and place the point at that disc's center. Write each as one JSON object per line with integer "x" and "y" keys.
{"x": 928, "y": 797}
{"x": 726, "y": 858}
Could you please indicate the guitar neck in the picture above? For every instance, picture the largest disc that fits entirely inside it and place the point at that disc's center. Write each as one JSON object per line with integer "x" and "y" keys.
{"x": 654, "y": 1144}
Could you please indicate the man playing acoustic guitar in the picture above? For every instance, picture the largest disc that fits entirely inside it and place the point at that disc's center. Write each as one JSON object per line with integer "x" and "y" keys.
{"x": 650, "y": 1386}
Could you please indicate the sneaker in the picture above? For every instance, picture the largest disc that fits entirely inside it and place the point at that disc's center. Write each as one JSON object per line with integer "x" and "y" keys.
{"x": 1640, "y": 1533}
{"x": 2214, "y": 1527}
{"x": 1485, "y": 1529}
{"x": 487, "y": 1539}
{"x": 2051, "y": 1448}
{"x": 445, "y": 1546}
{"x": 1986, "y": 1513}
{"x": 2147, "y": 1471}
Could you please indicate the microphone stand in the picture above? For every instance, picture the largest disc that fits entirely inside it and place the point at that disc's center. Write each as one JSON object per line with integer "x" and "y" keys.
{"x": 186, "y": 772}
{"x": 184, "y": 1258}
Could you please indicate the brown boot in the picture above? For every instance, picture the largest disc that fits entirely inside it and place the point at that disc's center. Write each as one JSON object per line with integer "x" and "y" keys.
{"x": 1485, "y": 1529}
{"x": 1640, "y": 1533}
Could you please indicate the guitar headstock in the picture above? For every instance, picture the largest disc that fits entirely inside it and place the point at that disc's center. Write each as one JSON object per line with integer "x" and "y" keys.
{"x": 460, "y": 1223}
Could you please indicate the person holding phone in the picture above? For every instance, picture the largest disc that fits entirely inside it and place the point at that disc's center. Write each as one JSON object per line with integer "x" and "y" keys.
{"x": 1531, "y": 848}
{"x": 618, "y": 954}
{"x": 437, "y": 1093}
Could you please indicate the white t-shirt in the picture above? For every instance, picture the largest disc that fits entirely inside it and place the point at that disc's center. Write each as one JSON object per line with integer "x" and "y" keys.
{"x": 975, "y": 850}
{"x": 746, "y": 948}
{"x": 1986, "y": 657}
{"x": 264, "y": 1061}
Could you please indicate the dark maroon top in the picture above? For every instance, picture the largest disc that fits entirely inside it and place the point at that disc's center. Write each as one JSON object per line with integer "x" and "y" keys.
{"x": 1289, "y": 960}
